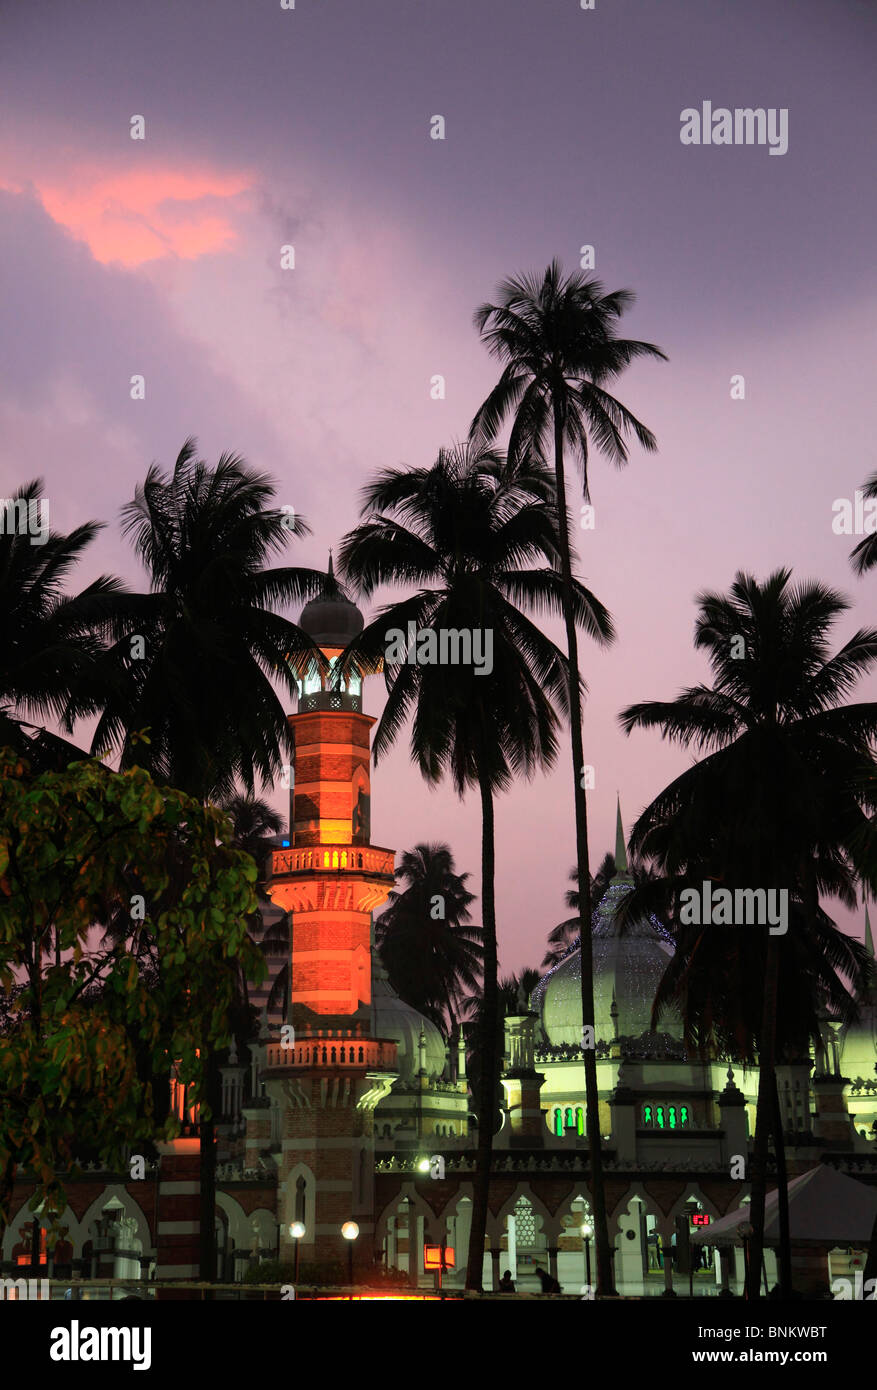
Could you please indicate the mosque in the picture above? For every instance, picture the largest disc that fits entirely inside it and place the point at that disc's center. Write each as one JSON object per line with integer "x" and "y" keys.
{"x": 348, "y": 1140}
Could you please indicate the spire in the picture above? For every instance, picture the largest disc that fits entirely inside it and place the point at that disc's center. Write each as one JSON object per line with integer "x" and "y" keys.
{"x": 620, "y": 843}
{"x": 869, "y": 940}
{"x": 330, "y": 571}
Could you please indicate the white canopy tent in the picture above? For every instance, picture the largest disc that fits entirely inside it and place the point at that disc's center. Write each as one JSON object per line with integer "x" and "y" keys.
{"x": 825, "y": 1208}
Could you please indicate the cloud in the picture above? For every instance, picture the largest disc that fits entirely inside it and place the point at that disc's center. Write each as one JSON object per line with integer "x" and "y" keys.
{"x": 131, "y": 216}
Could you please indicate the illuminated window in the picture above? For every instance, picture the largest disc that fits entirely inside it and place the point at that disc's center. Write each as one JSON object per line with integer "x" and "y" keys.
{"x": 335, "y": 859}
{"x": 354, "y": 684}
{"x": 666, "y": 1116}
{"x": 312, "y": 682}
{"x": 580, "y": 1120}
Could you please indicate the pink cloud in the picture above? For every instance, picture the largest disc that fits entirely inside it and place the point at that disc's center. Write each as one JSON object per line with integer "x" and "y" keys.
{"x": 140, "y": 215}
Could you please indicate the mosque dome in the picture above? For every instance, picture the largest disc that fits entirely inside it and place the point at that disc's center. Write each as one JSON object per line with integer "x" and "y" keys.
{"x": 628, "y": 967}
{"x": 398, "y": 1021}
{"x": 331, "y": 619}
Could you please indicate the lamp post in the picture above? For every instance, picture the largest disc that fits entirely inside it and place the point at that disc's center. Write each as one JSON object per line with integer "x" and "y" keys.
{"x": 297, "y": 1230}
{"x": 587, "y": 1232}
{"x": 350, "y": 1231}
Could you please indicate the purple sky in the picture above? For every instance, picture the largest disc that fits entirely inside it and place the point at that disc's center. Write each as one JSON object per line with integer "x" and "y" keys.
{"x": 311, "y": 127}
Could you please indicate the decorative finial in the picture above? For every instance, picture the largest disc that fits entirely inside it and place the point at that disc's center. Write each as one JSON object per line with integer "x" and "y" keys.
{"x": 620, "y": 844}
{"x": 331, "y": 571}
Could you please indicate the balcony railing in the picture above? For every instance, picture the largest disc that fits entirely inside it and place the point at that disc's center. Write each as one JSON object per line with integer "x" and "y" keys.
{"x": 363, "y": 859}
{"x": 338, "y": 1052}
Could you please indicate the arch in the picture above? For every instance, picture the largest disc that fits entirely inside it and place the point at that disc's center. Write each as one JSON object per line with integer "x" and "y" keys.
{"x": 132, "y": 1210}
{"x": 300, "y": 1203}
{"x": 236, "y": 1220}
{"x": 523, "y": 1189}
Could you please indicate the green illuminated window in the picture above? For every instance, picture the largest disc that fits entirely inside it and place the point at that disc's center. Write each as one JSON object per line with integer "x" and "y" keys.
{"x": 666, "y": 1116}
{"x": 580, "y": 1121}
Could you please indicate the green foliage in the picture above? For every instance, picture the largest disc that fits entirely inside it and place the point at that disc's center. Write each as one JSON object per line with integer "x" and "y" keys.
{"x": 74, "y": 845}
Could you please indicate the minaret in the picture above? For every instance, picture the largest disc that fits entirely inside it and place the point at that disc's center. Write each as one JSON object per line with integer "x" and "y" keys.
{"x": 330, "y": 1077}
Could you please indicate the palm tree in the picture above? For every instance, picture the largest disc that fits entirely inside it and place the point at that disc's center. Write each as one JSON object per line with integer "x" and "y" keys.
{"x": 864, "y": 556}
{"x": 192, "y": 698}
{"x": 428, "y": 943}
{"x": 557, "y": 340}
{"x": 50, "y": 642}
{"x": 196, "y": 704}
{"x": 568, "y": 933}
{"x": 465, "y": 530}
{"x": 785, "y": 799}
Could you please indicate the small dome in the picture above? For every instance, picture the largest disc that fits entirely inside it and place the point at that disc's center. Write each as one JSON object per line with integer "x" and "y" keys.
{"x": 331, "y": 619}
{"x": 395, "y": 1019}
{"x": 627, "y": 968}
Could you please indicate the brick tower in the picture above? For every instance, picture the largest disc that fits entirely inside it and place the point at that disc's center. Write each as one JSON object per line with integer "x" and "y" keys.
{"x": 330, "y": 1077}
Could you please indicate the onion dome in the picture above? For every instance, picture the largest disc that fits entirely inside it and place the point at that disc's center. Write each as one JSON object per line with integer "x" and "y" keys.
{"x": 398, "y": 1021}
{"x": 628, "y": 967}
{"x": 331, "y": 619}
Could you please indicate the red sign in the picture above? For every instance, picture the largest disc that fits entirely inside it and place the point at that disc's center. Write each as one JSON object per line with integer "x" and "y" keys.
{"x": 432, "y": 1257}
{"x": 700, "y": 1218}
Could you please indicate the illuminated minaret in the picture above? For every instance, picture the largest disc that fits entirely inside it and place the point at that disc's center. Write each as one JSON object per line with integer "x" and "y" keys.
{"x": 330, "y": 878}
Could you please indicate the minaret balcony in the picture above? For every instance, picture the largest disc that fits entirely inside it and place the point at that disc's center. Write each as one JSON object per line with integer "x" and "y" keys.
{"x": 323, "y": 859}
{"x": 351, "y": 1054}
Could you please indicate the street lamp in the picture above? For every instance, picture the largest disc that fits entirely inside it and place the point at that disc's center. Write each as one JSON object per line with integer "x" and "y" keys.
{"x": 297, "y": 1230}
{"x": 587, "y": 1232}
{"x": 350, "y": 1231}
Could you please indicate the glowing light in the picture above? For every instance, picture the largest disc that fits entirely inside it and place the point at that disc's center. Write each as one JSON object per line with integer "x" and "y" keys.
{"x": 350, "y": 1230}
{"x": 297, "y": 1230}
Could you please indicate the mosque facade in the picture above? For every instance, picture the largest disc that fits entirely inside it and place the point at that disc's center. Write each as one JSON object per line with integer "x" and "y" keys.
{"x": 349, "y": 1111}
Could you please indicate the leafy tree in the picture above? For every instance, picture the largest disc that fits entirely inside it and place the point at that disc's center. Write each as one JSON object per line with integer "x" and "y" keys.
{"x": 556, "y": 338}
{"x": 71, "y": 842}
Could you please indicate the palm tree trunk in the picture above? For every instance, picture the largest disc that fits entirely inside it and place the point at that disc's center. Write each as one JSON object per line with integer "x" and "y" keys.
{"x": 489, "y": 1014}
{"x": 785, "y": 1248}
{"x": 764, "y": 1117}
{"x": 605, "y": 1281}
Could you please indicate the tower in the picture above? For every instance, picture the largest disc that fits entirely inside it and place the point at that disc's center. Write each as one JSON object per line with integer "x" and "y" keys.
{"x": 331, "y": 1075}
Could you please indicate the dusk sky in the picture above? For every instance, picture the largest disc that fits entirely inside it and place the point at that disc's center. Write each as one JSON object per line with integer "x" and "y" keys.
{"x": 311, "y": 127}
